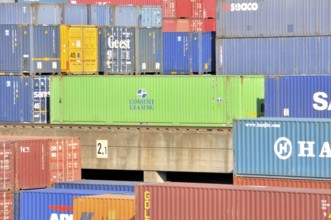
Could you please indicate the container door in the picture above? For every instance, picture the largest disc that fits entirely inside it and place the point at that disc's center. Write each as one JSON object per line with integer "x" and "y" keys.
{"x": 90, "y": 50}
{"x": 76, "y": 58}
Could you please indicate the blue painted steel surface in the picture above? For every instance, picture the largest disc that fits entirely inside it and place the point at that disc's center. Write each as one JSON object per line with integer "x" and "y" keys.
{"x": 118, "y": 186}
{"x": 186, "y": 53}
{"x": 29, "y": 49}
{"x": 242, "y": 18}
{"x": 24, "y": 99}
{"x": 150, "y": 16}
{"x": 74, "y": 14}
{"x": 298, "y": 96}
{"x": 51, "y": 203}
{"x": 116, "y": 50}
{"x": 274, "y": 56}
{"x": 100, "y": 15}
{"x": 282, "y": 147}
{"x": 126, "y": 16}
{"x": 149, "y": 50}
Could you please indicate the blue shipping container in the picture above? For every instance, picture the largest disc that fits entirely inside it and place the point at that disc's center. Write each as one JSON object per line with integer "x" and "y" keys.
{"x": 150, "y": 16}
{"x": 74, "y": 14}
{"x": 100, "y": 15}
{"x": 118, "y": 186}
{"x": 241, "y": 18}
{"x": 116, "y": 50}
{"x": 126, "y": 16}
{"x": 298, "y": 96}
{"x": 50, "y": 203}
{"x": 282, "y": 147}
{"x": 29, "y": 49}
{"x": 24, "y": 99}
{"x": 274, "y": 56}
{"x": 187, "y": 53}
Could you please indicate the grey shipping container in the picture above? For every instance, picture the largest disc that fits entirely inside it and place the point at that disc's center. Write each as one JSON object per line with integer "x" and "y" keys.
{"x": 150, "y": 16}
{"x": 100, "y": 15}
{"x": 74, "y": 14}
{"x": 29, "y": 49}
{"x": 241, "y": 18}
{"x": 149, "y": 50}
{"x": 274, "y": 56}
{"x": 126, "y": 16}
{"x": 43, "y": 1}
{"x": 34, "y": 13}
{"x": 116, "y": 50}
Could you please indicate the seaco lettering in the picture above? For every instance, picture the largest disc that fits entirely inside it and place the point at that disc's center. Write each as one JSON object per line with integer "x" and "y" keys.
{"x": 55, "y": 216}
{"x": 283, "y": 149}
{"x": 118, "y": 44}
{"x": 251, "y": 6}
{"x": 147, "y": 205}
{"x": 320, "y": 101}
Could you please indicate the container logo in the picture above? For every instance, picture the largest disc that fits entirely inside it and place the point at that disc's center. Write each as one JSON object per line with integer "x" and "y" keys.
{"x": 61, "y": 216}
{"x": 142, "y": 94}
{"x": 141, "y": 102}
{"x": 118, "y": 44}
{"x": 320, "y": 101}
{"x": 283, "y": 149}
{"x": 236, "y": 7}
{"x": 147, "y": 205}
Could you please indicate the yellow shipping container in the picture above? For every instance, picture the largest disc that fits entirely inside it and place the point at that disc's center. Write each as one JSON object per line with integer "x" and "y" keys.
{"x": 79, "y": 49}
{"x": 108, "y": 206}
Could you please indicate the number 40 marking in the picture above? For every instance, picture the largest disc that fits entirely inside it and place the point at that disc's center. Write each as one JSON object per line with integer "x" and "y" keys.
{"x": 102, "y": 148}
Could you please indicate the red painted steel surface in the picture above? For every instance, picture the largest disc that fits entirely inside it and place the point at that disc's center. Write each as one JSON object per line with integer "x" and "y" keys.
{"x": 7, "y": 165}
{"x": 189, "y": 8}
{"x": 296, "y": 183}
{"x": 6, "y": 205}
{"x": 184, "y": 201}
{"x": 169, "y": 9}
{"x": 118, "y": 2}
{"x": 188, "y": 25}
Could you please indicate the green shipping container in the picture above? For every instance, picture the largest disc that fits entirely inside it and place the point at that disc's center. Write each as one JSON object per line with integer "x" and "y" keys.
{"x": 155, "y": 100}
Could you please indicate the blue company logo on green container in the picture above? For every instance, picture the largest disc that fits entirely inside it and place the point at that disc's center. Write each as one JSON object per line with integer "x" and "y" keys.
{"x": 141, "y": 102}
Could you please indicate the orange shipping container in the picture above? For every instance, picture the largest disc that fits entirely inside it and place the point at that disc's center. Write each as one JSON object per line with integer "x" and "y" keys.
{"x": 106, "y": 206}
{"x": 296, "y": 183}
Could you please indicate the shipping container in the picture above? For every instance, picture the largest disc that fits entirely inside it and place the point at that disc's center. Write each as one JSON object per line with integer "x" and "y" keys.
{"x": 43, "y": 1}
{"x": 189, "y": 25}
{"x": 79, "y": 49}
{"x": 118, "y": 2}
{"x": 106, "y": 206}
{"x": 189, "y": 8}
{"x": 7, "y": 1}
{"x": 298, "y": 96}
{"x": 100, "y": 15}
{"x": 34, "y": 13}
{"x": 7, "y": 171}
{"x": 274, "y": 56}
{"x": 116, "y": 50}
{"x": 149, "y": 50}
{"x": 29, "y": 49}
{"x": 120, "y": 186}
{"x": 184, "y": 201}
{"x": 269, "y": 18}
{"x": 150, "y": 16}
{"x": 74, "y": 14}
{"x": 282, "y": 182}
{"x": 150, "y": 100}
{"x": 188, "y": 53}
{"x": 24, "y": 99}
{"x": 50, "y": 203}
{"x": 126, "y": 15}
{"x": 287, "y": 147}
{"x": 6, "y": 205}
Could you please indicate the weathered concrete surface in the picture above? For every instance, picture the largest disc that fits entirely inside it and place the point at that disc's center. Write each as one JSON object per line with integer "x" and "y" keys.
{"x": 152, "y": 176}
{"x": 146, "y": 148}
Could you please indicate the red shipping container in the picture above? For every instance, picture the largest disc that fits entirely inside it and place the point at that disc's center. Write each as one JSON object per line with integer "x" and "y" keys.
{"x": 7, "y": 168}
{"x": 6, "y": 205}
{"x": 119, "y": 2}
{"x": 169, "y": 9}
{"x": 202, "y": 25}
{"x": 296, "y": 183}
{"x": 189, "y": 8}
{"x": 184, "y": 201}
{"x": 189, "y": 25}
{"x": 169, "y": 25}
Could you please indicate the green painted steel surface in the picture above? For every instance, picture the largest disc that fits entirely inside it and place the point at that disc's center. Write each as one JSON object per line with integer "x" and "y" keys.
{"x": 155, "y": 100}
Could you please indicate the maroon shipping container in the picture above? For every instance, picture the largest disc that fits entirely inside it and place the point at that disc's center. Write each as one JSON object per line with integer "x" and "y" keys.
{"x": 119, "y": 2}
{"x": 184, "y": 201}
{"x": 296, "y": 183}
{"x": 6, "y": 205}
{"x": 189, "y": 8}
{"x": 188, "y": 25}
{"x": 7, "y": 165}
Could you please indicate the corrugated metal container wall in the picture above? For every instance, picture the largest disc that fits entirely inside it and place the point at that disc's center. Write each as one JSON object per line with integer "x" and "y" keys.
{"x": 149, "y": 50}
{"x": 120, "y": 186}
{"x": 7, "y": 1}
{"x": 150, "y": 16}
{"x": 41, "y": 95}
{"x": 169, "y": 8}
{"x": 184, "y": 201}
{"x": 274, "y": 56}
{"x": 46, "y": 14}
{"x": 126, "y": 16}
{"x": 104, "y": 207}
{"x": 287, "y": 147}
{"x": 239, "y": 18}
{"x": 79, "y": 49}
{"x": 284, "y": 182}
{"x": 298, "y": 96}
{"x": 100, "y": 15}
{"x": 196, "y": 8}
{"x": 187, "y": 53}
{"x": 6, "y": 205}
{"x": 117, "y": 2}
{"x": 7, "y": 172}
{"x": 50, "y": 203}
{"x": 74, "y": 14}
{"x": 43, "y": 1}
{"x": 116, "y": 50}
{"x": 162, "y": 100}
